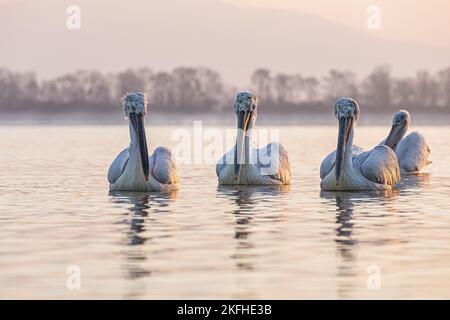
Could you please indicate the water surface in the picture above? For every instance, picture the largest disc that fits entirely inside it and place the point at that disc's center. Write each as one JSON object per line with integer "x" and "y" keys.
{"x": 209, "y": 242}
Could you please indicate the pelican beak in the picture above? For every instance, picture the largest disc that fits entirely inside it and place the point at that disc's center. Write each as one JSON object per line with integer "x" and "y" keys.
{"x": 138, "y": 123}
{"x": 395, "y": 135}
{"x": 345, "y": 125}
{"x": 244, "y": 120}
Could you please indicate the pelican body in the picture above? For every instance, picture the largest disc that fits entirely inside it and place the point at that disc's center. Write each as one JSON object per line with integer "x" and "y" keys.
{"x": 243, "y": 165}
{"x": 349, "y": 168}
{"x": 133, "y": 169}
{"x": 412, "y": 151}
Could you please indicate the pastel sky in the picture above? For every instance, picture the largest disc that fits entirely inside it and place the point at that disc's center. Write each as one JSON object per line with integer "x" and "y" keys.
{"x": 233, "y": 37}
{"x": 416, "y": 21}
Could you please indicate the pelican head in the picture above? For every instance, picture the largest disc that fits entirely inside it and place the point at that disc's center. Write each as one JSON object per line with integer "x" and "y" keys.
{"x": 245, "y": 107}
{"x": 400, "y": 125}
{"x": 346, "y": 111}
{"x": 135, "y": 108}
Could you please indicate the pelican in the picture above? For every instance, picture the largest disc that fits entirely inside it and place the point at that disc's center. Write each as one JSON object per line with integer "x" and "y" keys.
{"x": 412, "y": 151}
{"x": 243, "y": 165}
{"x": 133, "y": 170}
{"x": 350, "y": 169}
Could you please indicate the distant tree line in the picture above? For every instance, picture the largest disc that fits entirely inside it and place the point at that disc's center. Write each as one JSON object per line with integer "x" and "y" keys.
{"x": 378, "y": 92}
{"x": 201, "y": 89}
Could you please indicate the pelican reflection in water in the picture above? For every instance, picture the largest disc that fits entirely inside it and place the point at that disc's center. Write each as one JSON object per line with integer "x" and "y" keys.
{"x": 347, "y": 244}
{"x": 345, "y": 203}
{"x": 246, "y": 200}
{"x": 142, "y": 208}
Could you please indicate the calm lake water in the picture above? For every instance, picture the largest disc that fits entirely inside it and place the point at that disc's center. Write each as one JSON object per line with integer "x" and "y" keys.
{"x": 209, "y": 242}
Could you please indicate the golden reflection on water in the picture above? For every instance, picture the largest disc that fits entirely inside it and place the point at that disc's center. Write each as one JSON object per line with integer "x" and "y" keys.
{"x": 206, "y": 241}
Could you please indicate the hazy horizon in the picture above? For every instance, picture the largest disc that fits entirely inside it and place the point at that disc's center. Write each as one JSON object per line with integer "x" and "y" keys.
{"x": 399, "y": 17}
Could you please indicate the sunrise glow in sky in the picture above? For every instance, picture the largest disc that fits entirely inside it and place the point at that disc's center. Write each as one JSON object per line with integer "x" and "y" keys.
{"x": 299, "y": 36}
{"x": 417, "y": 21}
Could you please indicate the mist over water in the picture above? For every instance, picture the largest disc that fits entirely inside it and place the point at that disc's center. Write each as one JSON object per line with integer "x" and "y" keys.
{"x": 206, "y": 241}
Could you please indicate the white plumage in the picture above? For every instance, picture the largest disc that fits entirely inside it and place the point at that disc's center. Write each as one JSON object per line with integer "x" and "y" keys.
{"x": 125, "y": 173}
{"x": 412, "y": 151}
{"x": 133, "y": 170}
{"x": 329, "y": 161}
{"x": 253, "y": 174}
{"x": 349, "y": 168}
{"x": 244, "y": 165}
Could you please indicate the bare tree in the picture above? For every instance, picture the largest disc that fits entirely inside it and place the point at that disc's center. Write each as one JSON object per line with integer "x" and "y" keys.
{"x": 283, "y": 86}
{"x": 425, "y": 90}
{"x": 403, "y": 93}
{"x": 127, "y": 81}
{"x": 377, "y": 89}
{"x": 444, "y": 87}
{"x": 262, "y": 83}
{"x": 339, "y": 84}
{"x": 298, "y": 89}
{"x": 202, "y": 89}
{"x": 311, "y": 86}
{"x": 162, "y": 90}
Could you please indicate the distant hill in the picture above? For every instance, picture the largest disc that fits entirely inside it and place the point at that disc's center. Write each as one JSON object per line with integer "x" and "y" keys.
{"x": 117, "y": 34}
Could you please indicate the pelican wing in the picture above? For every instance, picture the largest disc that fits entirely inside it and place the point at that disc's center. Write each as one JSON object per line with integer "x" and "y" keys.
{"x": 224, "y": 161}
{"x": 413, "y": 152}
{"x": 163, "y": 166}
{"x": 329, "y": 161}
{"x": 379, "y": 165}
{"x": 118, "y": 165}
{"x": 273, "y": 161}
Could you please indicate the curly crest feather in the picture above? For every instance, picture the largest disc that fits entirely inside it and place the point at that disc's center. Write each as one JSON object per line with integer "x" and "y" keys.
{"x": 246, "y": 101}
{"x": 134, "y": 102}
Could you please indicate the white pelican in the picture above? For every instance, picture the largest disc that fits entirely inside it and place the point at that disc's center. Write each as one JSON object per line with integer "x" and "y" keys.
{"x": 412, "y": 151}
{"x": 133, "y": 170}
{"x": 350, "y": 169}
{"x": 243, "y": 165}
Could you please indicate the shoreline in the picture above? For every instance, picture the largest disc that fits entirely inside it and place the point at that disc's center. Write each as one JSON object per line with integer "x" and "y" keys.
{"x": 213, "y": 119}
